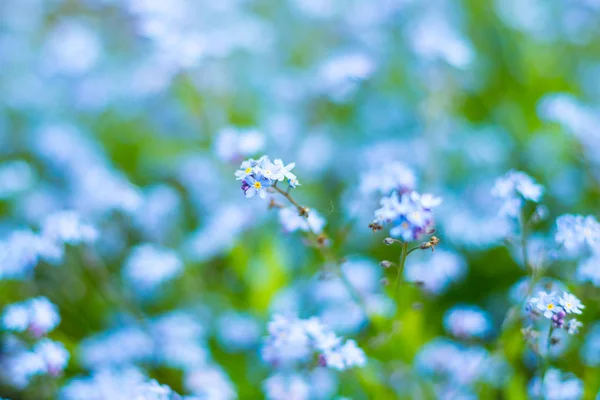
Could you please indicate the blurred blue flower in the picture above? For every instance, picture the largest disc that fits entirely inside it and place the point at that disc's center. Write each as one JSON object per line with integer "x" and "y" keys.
{"x": 284, "y": 386}
{"x": 385, "y": 178}
{"x": 20, "y": 365}
{"x": 238, "y": 331}
{"x": 293, "y": 341}
{"x": 233, "y": 144}
{"x": 15, "y": 178}
{"x": 209, "y": 382}
{"x": 291, "y": 221}
{"x": 556, "y": 385}
{"x": 37, "y": 315}
{"x": 590, "y": 351}
{"x": 148, "y": 266}
{"x": 588, "y": 271}
{"x": 466, "y": 321}
{"x": 116, "y": 384}
{"x": 436, "y": 273}
{"x": 577, "y": 233}
{"x": 513, "y": 188}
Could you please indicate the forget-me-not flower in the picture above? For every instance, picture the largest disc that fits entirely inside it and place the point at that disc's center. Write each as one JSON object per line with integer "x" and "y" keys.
{"x": 546, "y": 302}
{"x": 571, "y": 303}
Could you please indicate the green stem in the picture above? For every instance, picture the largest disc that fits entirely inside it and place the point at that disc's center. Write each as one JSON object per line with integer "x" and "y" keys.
{"x": 328, "y": 256}
{"x": 289, "y": 197}
{"x": 403, "y": 256}
{"x": 525, "y": 254}
{"x": 546, "y": 363}
{"x": 413, "y": 249}
{"x": 354, "y": 293}
{"x": 524, "y": 245}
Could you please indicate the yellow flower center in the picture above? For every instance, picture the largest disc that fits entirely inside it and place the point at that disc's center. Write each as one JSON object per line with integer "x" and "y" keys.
{"x": 550, "y": 306}
{"x": 267, "y": 172}
{"x": 568, "y": 305}
{"x": 248, "y": 170}
{"x": 257, "y": 185}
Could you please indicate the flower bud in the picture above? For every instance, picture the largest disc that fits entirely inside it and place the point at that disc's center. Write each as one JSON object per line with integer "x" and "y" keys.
{"x": 322, "y": 360}
{"x": 386, "y": 264}
{"x": 388, "y": 241}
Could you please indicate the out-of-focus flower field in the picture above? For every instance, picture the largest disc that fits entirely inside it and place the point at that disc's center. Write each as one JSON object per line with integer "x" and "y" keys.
{"x": 299, "y": 199}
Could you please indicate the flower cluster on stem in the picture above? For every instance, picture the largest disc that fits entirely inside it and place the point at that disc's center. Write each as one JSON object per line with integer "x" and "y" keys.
{"x": 259, "y": 175}
{"x": 410, "y": 215}
{"x": 557, "y": 308}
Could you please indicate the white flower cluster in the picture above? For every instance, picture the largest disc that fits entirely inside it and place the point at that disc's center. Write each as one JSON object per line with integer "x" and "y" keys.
{"x": 292, "y": 341}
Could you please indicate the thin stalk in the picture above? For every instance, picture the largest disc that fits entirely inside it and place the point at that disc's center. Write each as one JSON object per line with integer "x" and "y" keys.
{"x": 525, "y": 255}
{"x": 510, "y": 314}
{"x": 546, "y": 363}
{"x": 325, "y": 251}
{"x": 413, "y": 249}
{"x": 524, "y": 244}
{"x": 403, "y": 256}
{"x": 289, "y": 197}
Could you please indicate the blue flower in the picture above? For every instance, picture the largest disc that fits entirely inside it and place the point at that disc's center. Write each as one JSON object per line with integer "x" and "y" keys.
{"x": 571, "y": 303}
{"x": 546, "y": 302}
{"x": 410, "y": 213}
{"x": 247, "y": 168}
{"x": 293, "y": 182}
{"x": 258, "y": 175}
{"x": 256, "y": 185}
{"x": 573, "y": 326}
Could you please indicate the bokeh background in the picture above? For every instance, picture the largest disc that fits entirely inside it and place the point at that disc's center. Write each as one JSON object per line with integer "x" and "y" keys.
{"x": 136, "y": 114}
